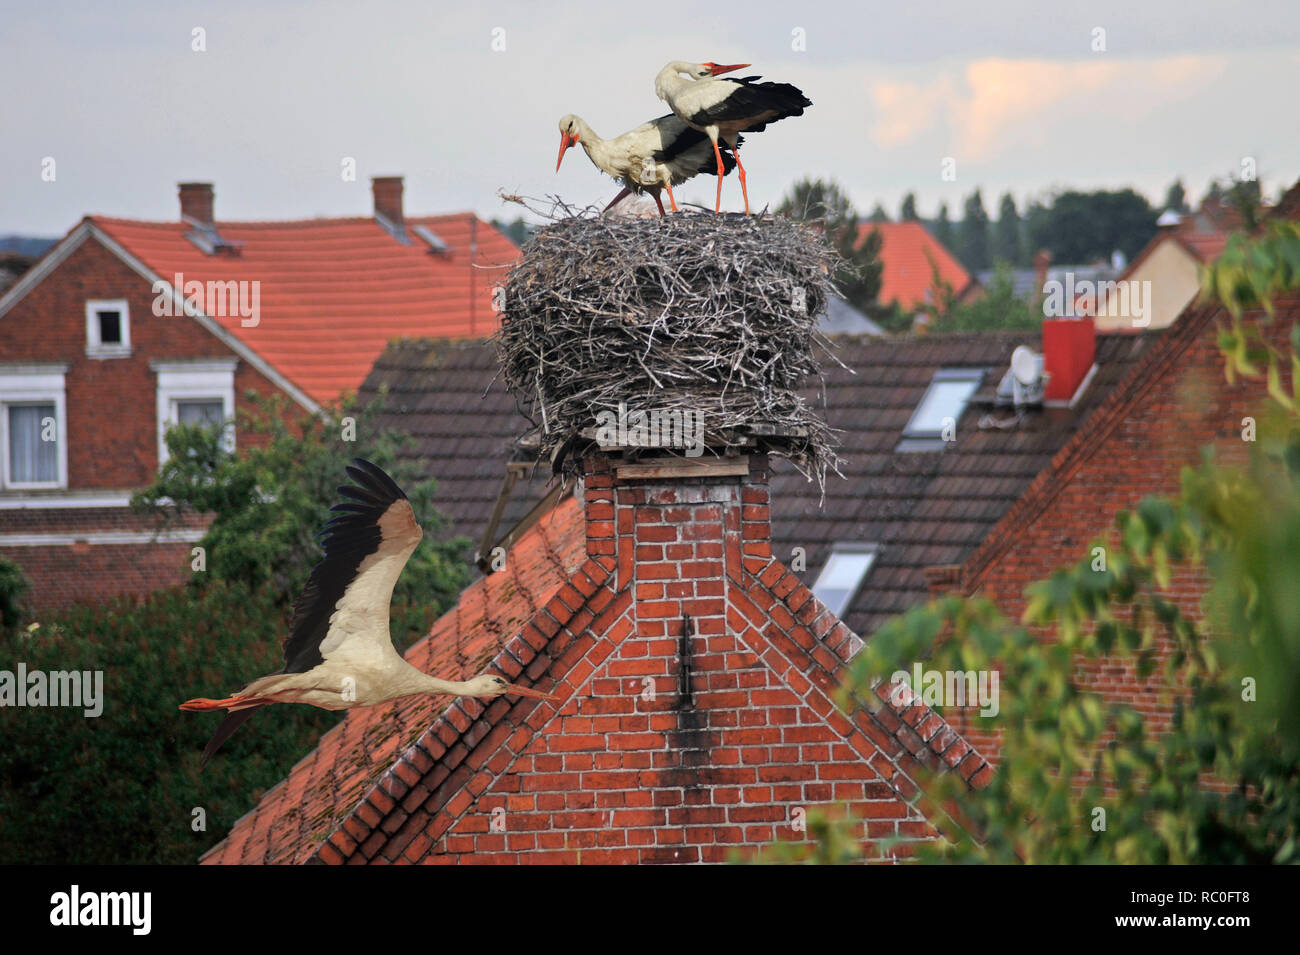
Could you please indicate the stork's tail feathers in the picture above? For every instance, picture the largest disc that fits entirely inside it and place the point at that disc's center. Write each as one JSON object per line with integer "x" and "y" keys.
{"x": 232, "y": 722}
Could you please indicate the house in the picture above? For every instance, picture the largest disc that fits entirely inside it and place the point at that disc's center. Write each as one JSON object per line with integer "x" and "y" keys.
{"x": 910, "y": 504}
{"x": 909, "y": 257}
{"x": 1173, "y": 402}
{"x": 693, "y": 677}
{"x": 126, "y": 327}
{"x": 1164, "y": 278}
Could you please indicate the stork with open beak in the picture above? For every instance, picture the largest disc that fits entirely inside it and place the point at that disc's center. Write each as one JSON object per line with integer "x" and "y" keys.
{"x": 657, "y": 155}
{"x": 723, "y": 109}
{"x": 338, "y": 653}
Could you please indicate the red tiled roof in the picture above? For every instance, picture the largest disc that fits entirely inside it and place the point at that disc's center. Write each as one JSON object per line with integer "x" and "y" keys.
{"x": 379, "y": 790}
{"x": 295, "y": 817}
{"x": 906, "y": 251}
{"x": 334, "y": 292}
{"x": 1206, "y": 246}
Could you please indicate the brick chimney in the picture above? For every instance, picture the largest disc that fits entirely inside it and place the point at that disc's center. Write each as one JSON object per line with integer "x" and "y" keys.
{"x": 196, "y": 203}
{"x": 387, "y": 191}
{"x": 1042, "y": 261}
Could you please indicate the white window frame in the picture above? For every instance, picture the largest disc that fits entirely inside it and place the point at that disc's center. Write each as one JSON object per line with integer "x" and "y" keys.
{"x": 208, "y": 379}
{"x": 96, "y": 348}
{"x": 32, "y": 384}
{"x": 847, "y": 549}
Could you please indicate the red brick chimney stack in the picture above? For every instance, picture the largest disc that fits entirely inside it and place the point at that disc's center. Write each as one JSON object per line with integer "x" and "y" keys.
{"x": 196, "y": 202}
{"x": 387, "y": 191}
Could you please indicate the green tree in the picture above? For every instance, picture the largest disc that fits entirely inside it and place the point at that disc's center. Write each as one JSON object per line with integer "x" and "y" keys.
{"x": 973, "y": 234}
{"x": 1176, "y": 198}
{"x": 998, "y": 309}
{"x": 878, "y": 214}
{"x": 942, "y": 229}
{"x": 121, "y": 787}
{"x": 825, "y": 204}
{"x": 1082, "y": 227}
{"x": 908, "y": 211}
{"x": 1006, "y": 237}
{"x": 1233, "y": 674}
{"x": 13, "y": 591}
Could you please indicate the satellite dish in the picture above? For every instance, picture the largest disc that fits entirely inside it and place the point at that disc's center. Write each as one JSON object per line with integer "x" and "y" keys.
{"x": 1026, "y": 365}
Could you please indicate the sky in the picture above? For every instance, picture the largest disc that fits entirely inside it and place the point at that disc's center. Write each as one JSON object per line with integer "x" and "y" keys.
{"x": 464, "y": 99}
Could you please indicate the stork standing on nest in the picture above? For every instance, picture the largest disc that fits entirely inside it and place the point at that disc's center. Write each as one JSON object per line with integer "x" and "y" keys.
{"x": 723, "y": 109}
{"x": 338, "y": 653}
{"x": 657, "y": 155}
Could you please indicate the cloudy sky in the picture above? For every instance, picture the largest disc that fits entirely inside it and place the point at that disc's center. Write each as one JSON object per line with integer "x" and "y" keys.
{"x": 1016, "y": 93}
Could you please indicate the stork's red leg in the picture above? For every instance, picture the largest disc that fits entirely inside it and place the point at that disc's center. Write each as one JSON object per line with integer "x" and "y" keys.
{"x": 660, "y": 203}
{"x": 671, "y": 200}
{"x": 204, "y": 705}
{"x": 722, "y": 171}
{"x": 613, "y": 201}
{"x": 741, "y": 169}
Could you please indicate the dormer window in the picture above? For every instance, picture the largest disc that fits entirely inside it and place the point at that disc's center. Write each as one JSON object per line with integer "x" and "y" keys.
{"x": 108, "y": 328}
{"x": 934, "y": 422}
{"x": 842, "y": 577}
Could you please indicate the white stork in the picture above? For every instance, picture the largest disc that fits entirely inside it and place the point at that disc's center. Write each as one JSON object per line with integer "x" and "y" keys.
{"x": 338, "y": 653}
{"x": 657, "y": 155}
{"x": 723, "y": 109}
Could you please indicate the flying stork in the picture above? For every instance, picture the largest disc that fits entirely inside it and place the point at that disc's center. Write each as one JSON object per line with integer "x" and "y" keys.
{"x": 657, "y": 155}
{"x": 724, "y": 109}
{"x": 338, "y": 653}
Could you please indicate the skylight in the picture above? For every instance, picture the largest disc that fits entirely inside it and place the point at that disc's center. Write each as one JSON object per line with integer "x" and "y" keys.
{"x": 940, "y": 408}
{"x": 843, "y": 574}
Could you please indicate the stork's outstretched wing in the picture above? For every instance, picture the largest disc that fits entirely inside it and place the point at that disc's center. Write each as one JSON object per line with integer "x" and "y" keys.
{"x": 367, "y": 543}
{"x": 737, "y": 100}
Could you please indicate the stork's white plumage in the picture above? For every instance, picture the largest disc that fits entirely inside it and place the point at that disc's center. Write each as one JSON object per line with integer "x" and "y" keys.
{"x": 338, "y": 653}
{"x": 657, "y": 155}
{"x": 725, "y": 108}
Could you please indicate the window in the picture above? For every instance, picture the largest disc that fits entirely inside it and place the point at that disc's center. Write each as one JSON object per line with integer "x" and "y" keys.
{"x": 940, "y": 409}
{"x": 108, "y": 328}
{"x": 195, "y": 392}
{"x": 843, "y": 574}
{"x": 33, "y": 451}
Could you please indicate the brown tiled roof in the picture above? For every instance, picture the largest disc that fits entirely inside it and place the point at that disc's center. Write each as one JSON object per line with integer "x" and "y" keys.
{"x": 923, "y": 509}
{"x": 463, "y": 424}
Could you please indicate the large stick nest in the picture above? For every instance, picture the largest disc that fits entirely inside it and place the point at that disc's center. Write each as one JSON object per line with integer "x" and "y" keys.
{"x": 713, "y": 314}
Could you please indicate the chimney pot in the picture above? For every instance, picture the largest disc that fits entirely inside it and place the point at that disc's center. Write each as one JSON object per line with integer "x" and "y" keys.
{"x": 1069, "y": 349}
{"x": 387, "y": 191}
{"x": 196, "y": 202}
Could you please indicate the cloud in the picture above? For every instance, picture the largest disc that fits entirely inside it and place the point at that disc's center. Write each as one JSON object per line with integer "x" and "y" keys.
{"x": 993, "y": 106}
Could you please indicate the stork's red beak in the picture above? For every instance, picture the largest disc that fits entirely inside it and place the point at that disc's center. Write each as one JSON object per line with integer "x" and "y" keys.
{"x": 527, "y": 690}
{"x": 717, "y": 70}
{"x": 565, "y": 142}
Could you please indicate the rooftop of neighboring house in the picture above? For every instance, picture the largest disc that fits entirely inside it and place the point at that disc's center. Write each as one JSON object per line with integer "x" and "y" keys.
{"x": 330, "y": 292}
{"x": 909, "y": 255}
{"x": 910, "y": 510}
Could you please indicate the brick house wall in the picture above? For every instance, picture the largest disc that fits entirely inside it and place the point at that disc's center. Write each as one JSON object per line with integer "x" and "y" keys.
{"x": 1174, "y": 403}
{"x": 102, "y": 550}
{"x": 651, "y": 751}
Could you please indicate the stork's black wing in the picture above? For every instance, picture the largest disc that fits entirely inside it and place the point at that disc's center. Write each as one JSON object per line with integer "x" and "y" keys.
{"x": 377, "y": 518}
{"x": 750, "y": 98}
{"x": 682, "y": 138}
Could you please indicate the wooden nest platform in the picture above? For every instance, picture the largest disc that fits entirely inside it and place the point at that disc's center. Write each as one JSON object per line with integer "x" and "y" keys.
{"x": 699, "y": 320}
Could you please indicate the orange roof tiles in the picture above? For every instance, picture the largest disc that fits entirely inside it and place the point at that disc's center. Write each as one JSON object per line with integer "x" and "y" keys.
{"x": 294, "y": 818}
{"x": 906, "y": 252}
{"x": 334, "y": 292}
